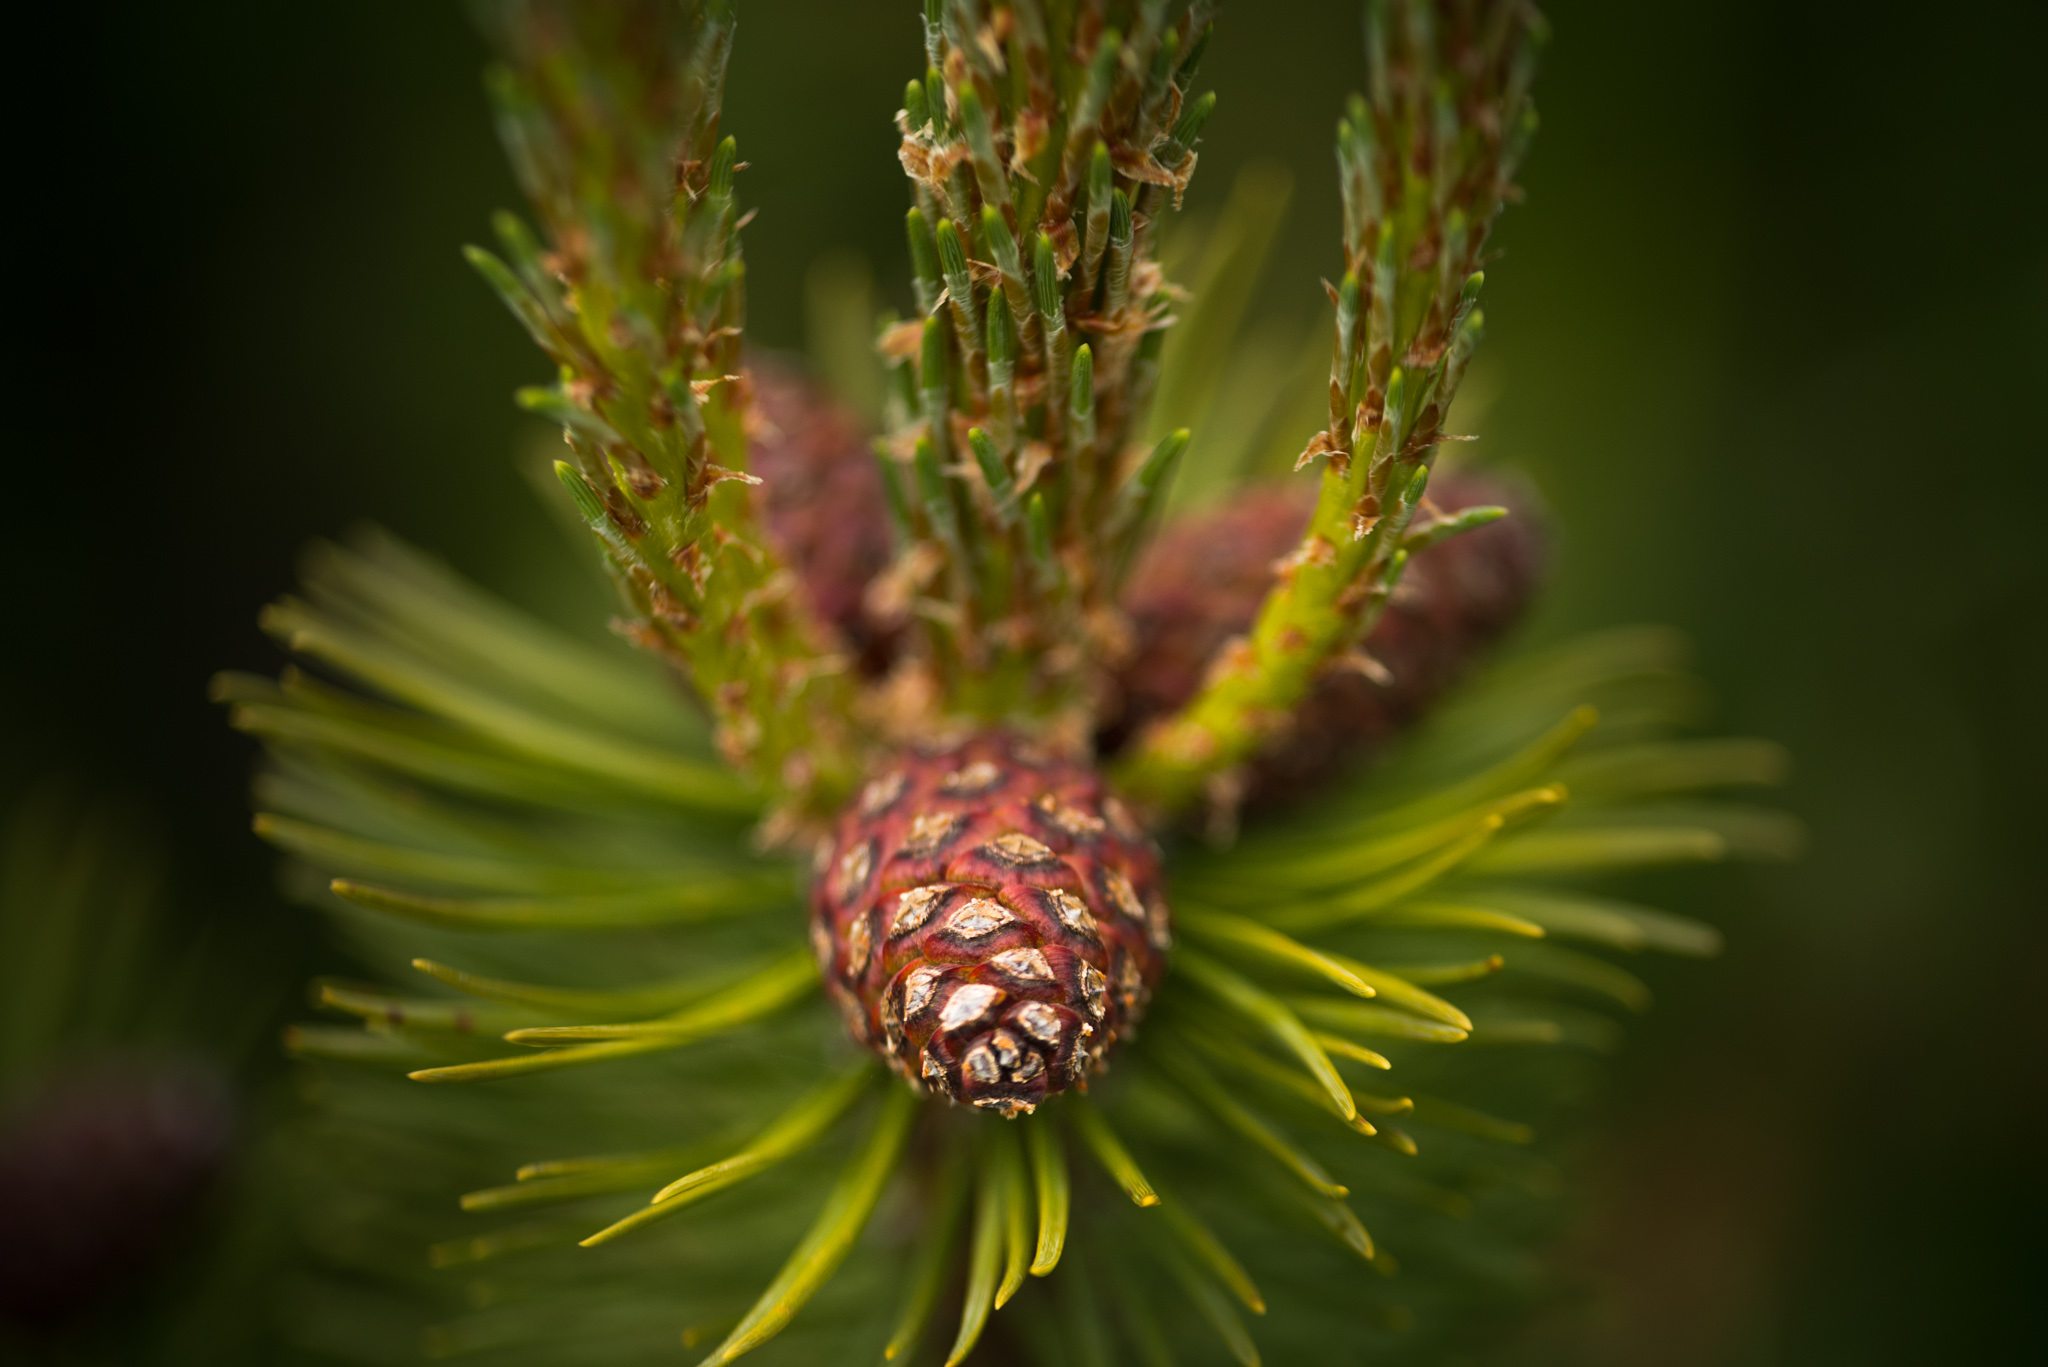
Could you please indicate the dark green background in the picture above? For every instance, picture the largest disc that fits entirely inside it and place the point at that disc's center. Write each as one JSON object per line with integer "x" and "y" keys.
{"x": 1768, "y": 332}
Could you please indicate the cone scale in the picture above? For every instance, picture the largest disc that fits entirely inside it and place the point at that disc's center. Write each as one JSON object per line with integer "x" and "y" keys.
{"x": 990, "y": 920}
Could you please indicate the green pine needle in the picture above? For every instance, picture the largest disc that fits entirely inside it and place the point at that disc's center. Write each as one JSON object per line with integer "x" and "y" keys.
{"x": 1259, "y": 1006}
{"x": 1109, "y": 1150}
{"x": 831, "y": 1237}
{"x": 932, "y": 1264}
{"x": 771, "y": 988}
{"x": 1237, "y": 1117}
{"x": 983, "y": 1263}
{"x": 1050, "y": 1181}
{"x": 795, "y": 1129}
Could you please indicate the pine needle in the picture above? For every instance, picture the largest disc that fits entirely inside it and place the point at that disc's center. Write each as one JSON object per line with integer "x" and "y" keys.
{"x": 417, "y": 593}
{"x": 1582, "y": 848}
{"x": 669, "y": 903}
{"x": 1109, "y": 1150}
{"x": 1552, "y": 1022}
{"x": 356, "y": 1046}
{"x": 933, "y": 1262}
{"x": 1599, "y": 919}
{"x": 436, "y": 760}
{"x": 1395, "y": 990}
{"x": 1358, "y": 1053}
{"x": 1268, "y": 943}
{"x": 326, "y": 848}
{"x": 1085, "y": 1341}
{"x": 1367, "y": 1019}
{"x": 1201, "y": 1241}
{"x": 1267, "y": 1010}
{"x": 546, "y": 1061}
{"x": 609, "y": 1162}
{"x": 539, "y": 1183}
{"x": 990, "y": 1218}
{"x": 1532, "y": 762}
{"x": 1451, "y": 1116}
{"x": 1274, "y": 1073}
{"x": 1333, "y": 861}
{"x": 768, "y": 990}
{"x": 761, "y": 992}
{"x": 1139, "y": 1321}
{"x": 1052, "y": 1180}
{"x": 1398, "y": 1141}
{"x": 483, "y": 1247}
{"x": 1009, "y": 1169}
{"x": 1453, "y": 915}
{"x": 656, "y": 996}
{"x": 1335, "y": 1216}
{"x": 1236, "y": 1116}
{"x": 1675, "y": 767}
{"x": 839, "y": 1223}
{"x": 1364, "y": 901}
{"x": 1216, "y": 1308}
{"x": 392, "y": 670}
{"x": 797, "y": 1128}
{"x": 1584, "y": 971}
{"x": 385, "y": 1010}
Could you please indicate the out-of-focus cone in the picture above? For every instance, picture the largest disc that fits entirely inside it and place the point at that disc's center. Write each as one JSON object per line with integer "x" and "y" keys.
{"x": 1202, "y": 581}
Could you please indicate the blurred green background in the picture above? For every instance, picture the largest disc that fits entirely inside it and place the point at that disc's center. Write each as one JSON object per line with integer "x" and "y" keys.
{"x": 1766, "y": 332}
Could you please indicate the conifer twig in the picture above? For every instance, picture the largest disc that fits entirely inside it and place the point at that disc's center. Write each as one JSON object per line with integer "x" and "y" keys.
{"x": 610, "y": 114}
{"x": 1041, "y": 147}
{"x": 1425, "y": 165}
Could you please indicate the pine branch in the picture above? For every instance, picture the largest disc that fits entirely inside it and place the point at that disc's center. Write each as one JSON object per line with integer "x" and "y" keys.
{"x": 1041, "y": 146}
{"x": 610, "y": 115}
{"x": 1425, "y": 166}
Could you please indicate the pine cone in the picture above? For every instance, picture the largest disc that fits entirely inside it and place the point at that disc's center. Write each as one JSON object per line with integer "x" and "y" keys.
{"x": 990, "y": 920}
{"x": 1202, "y": 582}
{"x": 822, "y": 500}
